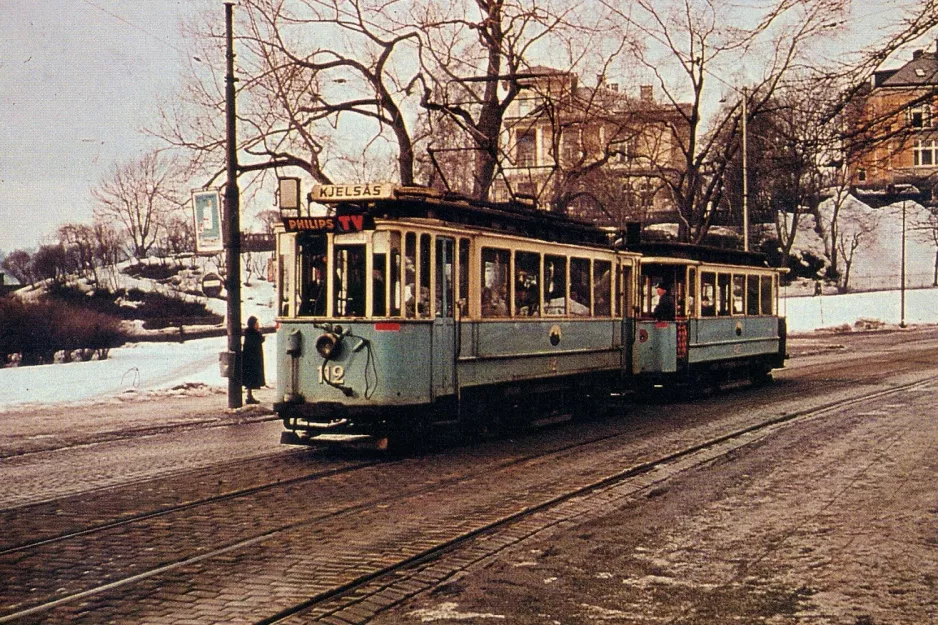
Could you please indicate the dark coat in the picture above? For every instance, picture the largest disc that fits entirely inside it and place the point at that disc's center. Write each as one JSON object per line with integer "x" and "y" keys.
{"x": 664, "y": 311}
{"x": 252, "y": 359}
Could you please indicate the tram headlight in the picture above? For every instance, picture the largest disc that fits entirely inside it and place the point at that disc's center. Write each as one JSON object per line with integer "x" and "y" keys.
{"x": 327, "y": 344}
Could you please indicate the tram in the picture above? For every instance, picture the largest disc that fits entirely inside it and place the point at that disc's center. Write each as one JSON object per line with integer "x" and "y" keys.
{"x": 407, "y": 308}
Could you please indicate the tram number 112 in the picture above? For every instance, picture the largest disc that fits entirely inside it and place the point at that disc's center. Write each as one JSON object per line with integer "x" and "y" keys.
{"x": 332, "y": 375}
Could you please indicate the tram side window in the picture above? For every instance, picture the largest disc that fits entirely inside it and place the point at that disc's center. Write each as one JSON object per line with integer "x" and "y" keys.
{"x": 495, "y": 282}
{"x": 527, "y": 278}
{"x": 723, "y": 294}
{"x": 444, "y": 277}
{"x": 350, "y": 281}
{"x": 767, "y": 299}
{"x": 396, "y": 274}
{"x": 313, "y": 274}
{"x": 739, "y": 288}
{"x": 410, "y": 275}
{"x": 463, "y": 270}
{"x": 752, "y": 295}
{"x": 602, "y": 272}
{"x": 580, "y": 291}
{"x": 708, "y": 294}
{"x": 690, "y": 306}
{"x": 423, "y": 305}
{"x": 555, "y": 285}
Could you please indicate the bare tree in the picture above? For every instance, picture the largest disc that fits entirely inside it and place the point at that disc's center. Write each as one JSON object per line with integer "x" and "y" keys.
{"x": 79, "y": 242}
{"x": 693, "y": 48}
{"x": 108, "y": 250}
{"x": 477, "y": 57}
{"x": 177, "y": 234}
{"x": 137, "y": 194}
{"x": 18, "y": 264}
{"x": 51, "y": 262}
{"x": 321, "y": 89}
{"x": 268, "y": 218}
{"x": 857, "y": 225}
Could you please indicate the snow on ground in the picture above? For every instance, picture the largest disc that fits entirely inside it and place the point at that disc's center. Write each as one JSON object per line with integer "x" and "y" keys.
{"x": 806, "y": 314}
{"x": 144, "y": 369}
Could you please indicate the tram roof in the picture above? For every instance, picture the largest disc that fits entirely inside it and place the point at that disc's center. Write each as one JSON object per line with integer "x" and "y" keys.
{"x": 391, "y": 201}
{"x": 699, "y": 253}
{"x": 514, "y": 217}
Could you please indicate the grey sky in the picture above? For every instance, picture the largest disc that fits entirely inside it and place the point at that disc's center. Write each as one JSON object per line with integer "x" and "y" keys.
{"x": 78, "y": 78}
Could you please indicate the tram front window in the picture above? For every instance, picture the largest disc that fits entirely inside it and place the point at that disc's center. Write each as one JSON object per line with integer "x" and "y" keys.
{"x": 312, "y": 284}
{"x": 349, "y": 289}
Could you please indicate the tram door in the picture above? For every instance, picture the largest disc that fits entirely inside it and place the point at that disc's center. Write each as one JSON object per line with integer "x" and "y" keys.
{"x": 626, "y": 294}
{"x": 444, "y": 327}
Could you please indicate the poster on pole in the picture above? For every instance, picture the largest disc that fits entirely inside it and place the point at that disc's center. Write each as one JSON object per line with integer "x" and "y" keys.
{"x": 206, "y": 208}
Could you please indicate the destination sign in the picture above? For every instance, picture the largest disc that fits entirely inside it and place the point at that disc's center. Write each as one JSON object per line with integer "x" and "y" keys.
{"x": 351, "y": 192}
{"x": 338, "y": 224}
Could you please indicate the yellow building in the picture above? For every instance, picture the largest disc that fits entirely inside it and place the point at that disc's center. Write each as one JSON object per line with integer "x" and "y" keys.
{"x": 596, "y": 152}
{"x": 899, "y": 123}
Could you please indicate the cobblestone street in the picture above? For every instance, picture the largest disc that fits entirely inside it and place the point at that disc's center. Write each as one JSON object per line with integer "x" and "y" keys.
{"x": 180, "y": 511}
{"x": 835, "y": 523}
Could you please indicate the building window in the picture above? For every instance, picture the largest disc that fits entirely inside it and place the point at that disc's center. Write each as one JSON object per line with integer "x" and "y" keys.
{"x": 925, "y": 153}
{"x": 570, "y": 147}
{"x": 861, "y": 175}
{"x": 527, "y": 149}
{"x": 624, "y": 151}
{"x": 525, "y": 106}
{"x": 920, "y": 116}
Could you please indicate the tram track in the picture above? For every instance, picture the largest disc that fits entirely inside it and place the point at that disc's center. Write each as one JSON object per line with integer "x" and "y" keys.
{"x": 355, "y": 583}
{"x": 52, "y": 444}
{"x": 397, "y": 582}
{"x": 95, "y": 533}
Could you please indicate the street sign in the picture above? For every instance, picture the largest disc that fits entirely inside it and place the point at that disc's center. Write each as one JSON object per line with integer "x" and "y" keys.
{"x": 212, "y": 285}
{"x": 206, "y": 211}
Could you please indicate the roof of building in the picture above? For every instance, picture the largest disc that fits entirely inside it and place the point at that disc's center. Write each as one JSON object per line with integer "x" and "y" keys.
{"x": 922, "y": 70}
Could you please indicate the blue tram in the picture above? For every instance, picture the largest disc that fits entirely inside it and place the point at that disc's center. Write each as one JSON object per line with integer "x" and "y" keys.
{"x": 407, "y": 308}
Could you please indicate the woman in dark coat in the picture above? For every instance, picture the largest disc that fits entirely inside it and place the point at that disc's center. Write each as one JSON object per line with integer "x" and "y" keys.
{"x": 252, "y": 359}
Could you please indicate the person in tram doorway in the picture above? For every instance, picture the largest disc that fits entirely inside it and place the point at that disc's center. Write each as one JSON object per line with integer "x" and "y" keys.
{"x": 664, "y": 311}
{"x": 252, "y": 360}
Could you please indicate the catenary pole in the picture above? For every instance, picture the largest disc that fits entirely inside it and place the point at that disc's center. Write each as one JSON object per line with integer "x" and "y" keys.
{"x": 232, "y": 224}
{"x": 745, "y": 172}
{"x": 902, "y": 286}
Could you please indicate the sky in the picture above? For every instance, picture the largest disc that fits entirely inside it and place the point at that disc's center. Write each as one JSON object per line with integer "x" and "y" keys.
{"x": 142, "y": 371}
{"x": 78, "y": 81}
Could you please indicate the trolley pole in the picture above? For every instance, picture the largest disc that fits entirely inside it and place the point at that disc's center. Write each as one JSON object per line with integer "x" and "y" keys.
{"x": 232, "y": 225}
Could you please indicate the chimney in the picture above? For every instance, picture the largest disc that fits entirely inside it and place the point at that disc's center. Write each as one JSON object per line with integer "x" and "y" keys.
{"x": 917, "y": 55}
{"x": 647, "y": 93}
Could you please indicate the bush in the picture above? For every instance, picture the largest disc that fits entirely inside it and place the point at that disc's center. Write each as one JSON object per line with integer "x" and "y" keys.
{"x": 151, "y": 272}
{"x": 155, "y": 309}
{"x": 38, "y": 331}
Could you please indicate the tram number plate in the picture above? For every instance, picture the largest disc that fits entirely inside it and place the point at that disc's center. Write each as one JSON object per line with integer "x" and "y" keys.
{"x": 333, "y": 375}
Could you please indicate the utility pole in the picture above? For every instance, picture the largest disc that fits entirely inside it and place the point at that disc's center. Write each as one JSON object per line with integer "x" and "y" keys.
{"x": 745, "y": 173}
{"x": 232, "y": 225}
{"x": 902, "y": 288}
